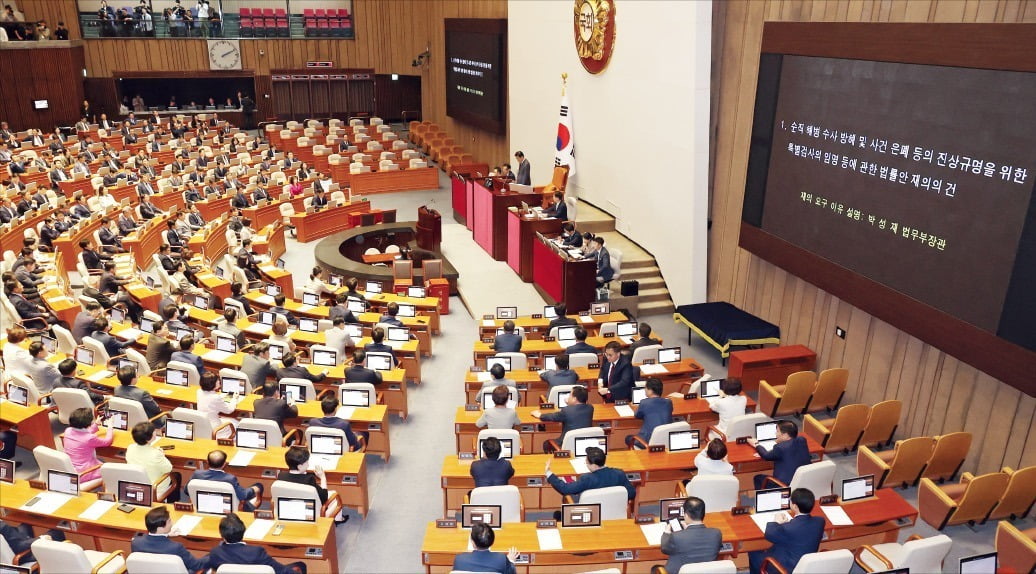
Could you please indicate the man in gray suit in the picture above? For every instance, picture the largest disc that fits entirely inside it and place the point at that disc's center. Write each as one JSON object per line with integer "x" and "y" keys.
{"x": 524, "y": 177}
{"x": 128, "y": 389}
{"x": 43, "y": 373}
{"x": 577, "y": 415}
{"x": 695, "y": 542}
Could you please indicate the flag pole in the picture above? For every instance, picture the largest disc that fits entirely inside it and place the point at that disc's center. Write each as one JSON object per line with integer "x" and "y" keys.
{"x": 564, "y": 83}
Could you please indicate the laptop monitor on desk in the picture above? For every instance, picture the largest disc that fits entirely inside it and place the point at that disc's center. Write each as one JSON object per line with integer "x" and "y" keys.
{"x": 485, "y": 513}
{"x": 206, "y": 502}
{"x": 358, "y": 398}
{"x": 135, "y": 493}
{"x": 584, "y": 442}
{"x": 181, "y": 430}
{"x": 858, "y": 488}
{"x": 297, "y": 509}
{"x": 580, "y": 515}
{"x": 772, "y": 500}
{"x": 504, "y": 362}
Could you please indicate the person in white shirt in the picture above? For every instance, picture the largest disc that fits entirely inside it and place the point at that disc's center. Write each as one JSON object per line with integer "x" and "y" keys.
{"x": 729, "y": 404}
{"x": 17, "y": 360}
{"x": 279, "y": 335}
{"x": 211, "y": 404}
{"x": 316, "y": 283}
{"x": 153, "y": 459}
{"x": 105, "y": 199}
{"x": 713, "y": 459}
{"x": 338, "y": 339}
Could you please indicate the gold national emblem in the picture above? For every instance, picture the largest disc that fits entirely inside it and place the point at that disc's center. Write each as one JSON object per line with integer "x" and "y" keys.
{"x": 594, "y": 26}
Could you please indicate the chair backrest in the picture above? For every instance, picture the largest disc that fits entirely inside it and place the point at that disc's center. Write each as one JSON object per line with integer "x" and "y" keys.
{"x": 848, "y": 426}
{"x": 608, "y": 328}
{"x": 432, "y": 269}
{"x": 306, "y": 384}
{"x": 1019, "y": 495}
{"x": 148, "y": 563}
{"x": 100, "y": 354}
{"x": 614, "y": 501}
{"x": 829, "y": 390}
{"x": 330, "y": 431}
{"x": 569, "y": 442}
{"x": 134, "y": 410}
{"x": 572, "y": 206}
{"x": 403, "y": 269}
{"x": 714, "y": 567}
{"x": 1016, "y": 550}
{"x": 926, "y": 554}
{"x": 53, "y": 556}
{"x": 202, "y": 425}
{"x": 273, "y": 431}
{"x": 6, "y": 554}
{"x": 194, "y": 485}
{"x": 641, "y": 354}
{"x": 68, "y": 400}
{"x": 519, "y": 361}
{"x": 552, "y": 396}
{"x": 909, "y": 459}
{"x": 507, "y": 496}
{"x": 193, "y": 376}
{"x": 143, "y": 369}
{"x": 286, "y": 489}
{"x": 660, "y": 434}
{"x": 509, "y": 434}
{"x": 718, "y": 491}
{"x": 113, "y": 472}
{"x": 840, "y": 560}
{"x": 236, "y": 305}
{"x": 818, "y": 477}
{"x": 797, "y": 391}
{"x": 616, "y": 257}
{"x": 982, "y": 494}
{"x": 66, "y": 342}
{"x": 393, "y": 248}
{"x": 576, "y": 360}
{"x": 744, "y": 425}
{"x": 949, "y": 454}
{"x": 50, "y": 459}
{"x": 245, "y": 569}
{"x": 882, "y": 422}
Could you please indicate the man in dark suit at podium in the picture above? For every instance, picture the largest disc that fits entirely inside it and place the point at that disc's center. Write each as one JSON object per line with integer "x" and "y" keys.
{"x": 524, "y": 176}
{"x": 158, "y": 541}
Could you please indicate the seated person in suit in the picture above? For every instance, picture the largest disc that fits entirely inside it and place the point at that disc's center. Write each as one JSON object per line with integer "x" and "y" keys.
{"x": 571, "y": 238}
{"x": 491, "y": 470}
{"x": 186, "y": 354}
{"x": 500, "y": 416}
{"x": 792, "y": 536}
{"x": 562, "y": 319}
{"x": 108, "y": 233}
{"x": 713, "y": 459}
{"x": 508, "y": 341}
{"x": 341, "y": 309}
{"x": 257, "y": 366}
{"x": 600, "y": 476}
{"x": 482, "y": 559}
{"x": 20, "y": 539}
{"x": 237, "y": 293}
{"x": 160, "y": 347}
{"x": 33, "y": 315}
{"x": 102, "y": 332}
{"x": 654, "y": 410}
{"x": 328, "y": 406}
{"x": 275, "y": 408}
{"x": 233, "y": 550}
{"x": 158, "y": 540}
{"x": 67, "y": 370}
{"x": 580, "y": 346}
{"x": 297, "y": 459}
{"x": 615, "y": 381}
{"x": 389, "y": 317}
{"x": 644, "y": 330}
{"x": 293, "y": 370}
{"x": 338, "y": 338}
{"x": 357, "y": 373}
{"x": 562, "y": 375}
{"x": 278, "y": 307}
{"x": 695, "y": 543}
{"x": 319, "y": 197}
{"x": 377, "y": 346}
{"x": 128, "y": 389}
{"x": 558, "y": 209}
{"x": 217, "y": 460}
{"x": 577, "y": 415}
{"x": 790, "y": 452}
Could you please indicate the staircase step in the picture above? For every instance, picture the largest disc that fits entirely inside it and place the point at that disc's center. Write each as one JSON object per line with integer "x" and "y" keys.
{"x": 655, "y": 308}
{"x": 656, "y": 294}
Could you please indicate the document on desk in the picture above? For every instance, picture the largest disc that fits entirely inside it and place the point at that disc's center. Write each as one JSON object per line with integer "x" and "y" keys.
{"x": 837, "y": 515}
{"x": 579, "y": 465}
{"x": 762, "y": 518}
{"x": 96, "y": 510}
{"x": 99, "y": 376}
{"x": 220, "y": 356}
{"x": 130, "y": 334}
{"x": 164, "y": 392}
{"x": 653, "y": 532}
{"x": 624, "y": 410}
{"x": 655, "y": 369}
{"x": 550, "y": 538}
{"x": 258, "y": 529}
{"x": 242, "y": 458}
{"x": 259, "y": 329}
{"x": 345, "y": 412}
{"x": 265, "y": 300}
{"x": 303, "y": 308}
{"x": 186, "y": 524}
{"x": 47, "y": 502}
{"x": 324, "y": 461}
{"x": 586, "y": 318}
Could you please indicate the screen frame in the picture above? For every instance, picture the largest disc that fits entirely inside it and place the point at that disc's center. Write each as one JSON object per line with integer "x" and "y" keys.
{"x": 985, "y": 46}
{"x": 466, "y": 510}
{"x": 316, "y": 509}
{"x": 147, "y": 487}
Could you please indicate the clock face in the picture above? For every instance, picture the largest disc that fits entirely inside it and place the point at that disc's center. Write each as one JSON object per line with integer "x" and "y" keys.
{"x": 224, "y": 55}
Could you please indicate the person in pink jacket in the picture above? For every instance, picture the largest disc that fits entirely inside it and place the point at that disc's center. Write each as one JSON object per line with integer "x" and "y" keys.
{"x": 81, "y": 442}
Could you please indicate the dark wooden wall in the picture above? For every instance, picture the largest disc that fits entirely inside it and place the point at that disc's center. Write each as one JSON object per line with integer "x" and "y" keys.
{"x": 52, "y": 73}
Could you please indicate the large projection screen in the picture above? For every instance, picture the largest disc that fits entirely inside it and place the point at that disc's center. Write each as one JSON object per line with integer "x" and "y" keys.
{"x": 894, "y": 166}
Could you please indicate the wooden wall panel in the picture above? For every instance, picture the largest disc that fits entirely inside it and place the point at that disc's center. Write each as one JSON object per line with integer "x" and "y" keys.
{"x": 389, "y": 35}
{"x": 40, "y": 73}
{"x": 940, "y": 393}
{"x": 53, "y": 11}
